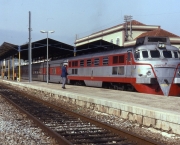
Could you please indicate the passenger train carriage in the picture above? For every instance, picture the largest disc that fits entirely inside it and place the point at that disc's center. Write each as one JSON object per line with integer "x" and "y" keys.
{"x": 151, "y": 66}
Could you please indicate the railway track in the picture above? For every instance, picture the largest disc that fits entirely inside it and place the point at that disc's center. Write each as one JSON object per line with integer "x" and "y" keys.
{"x": 68, "y": 127}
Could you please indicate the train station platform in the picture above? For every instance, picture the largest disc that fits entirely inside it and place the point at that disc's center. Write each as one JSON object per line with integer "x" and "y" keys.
{"x": 157, "y": 111}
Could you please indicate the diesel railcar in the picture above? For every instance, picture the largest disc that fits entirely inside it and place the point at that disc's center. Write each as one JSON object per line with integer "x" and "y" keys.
{"x": 151, "y": 66}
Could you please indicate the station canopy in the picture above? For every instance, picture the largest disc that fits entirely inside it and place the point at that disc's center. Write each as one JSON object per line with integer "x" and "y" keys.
{"x": 7, "y": 50}
{"x": 56, "y": 49}
{"x": 95, "y": 46}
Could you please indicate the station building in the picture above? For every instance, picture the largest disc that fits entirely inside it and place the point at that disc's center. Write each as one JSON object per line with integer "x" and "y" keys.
{"x": 126, "y": 34}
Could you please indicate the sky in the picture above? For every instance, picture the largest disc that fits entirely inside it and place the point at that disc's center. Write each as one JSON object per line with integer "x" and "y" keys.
{"x": 69, "y": 18}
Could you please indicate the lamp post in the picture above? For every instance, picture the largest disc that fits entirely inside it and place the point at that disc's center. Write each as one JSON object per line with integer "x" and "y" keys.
{"x": 42, "y": 31}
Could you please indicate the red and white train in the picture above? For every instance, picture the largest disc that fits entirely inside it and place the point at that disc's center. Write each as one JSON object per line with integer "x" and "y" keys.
{"x": 151, "y": 66}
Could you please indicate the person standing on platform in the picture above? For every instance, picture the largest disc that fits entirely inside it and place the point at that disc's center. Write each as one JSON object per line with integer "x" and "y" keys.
{"x": 64, "y": 75}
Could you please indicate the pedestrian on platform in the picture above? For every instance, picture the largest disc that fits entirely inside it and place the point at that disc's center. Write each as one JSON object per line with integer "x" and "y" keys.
{"x": 64, "y": 75}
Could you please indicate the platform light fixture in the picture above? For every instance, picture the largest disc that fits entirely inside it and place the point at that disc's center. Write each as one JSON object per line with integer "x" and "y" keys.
{"x": 47, "y": 72}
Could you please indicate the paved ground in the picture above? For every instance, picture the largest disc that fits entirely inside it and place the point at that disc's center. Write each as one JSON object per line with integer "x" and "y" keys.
{"x": 171, "y": 104}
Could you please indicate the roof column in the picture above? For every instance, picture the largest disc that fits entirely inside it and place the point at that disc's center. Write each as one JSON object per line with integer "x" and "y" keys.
{"x": 19, "y": 50}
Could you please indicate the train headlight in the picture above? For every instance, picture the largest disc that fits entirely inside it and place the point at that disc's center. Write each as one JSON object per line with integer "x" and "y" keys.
{"x": 162, "y": 45}
{"x": 148, "y": 73}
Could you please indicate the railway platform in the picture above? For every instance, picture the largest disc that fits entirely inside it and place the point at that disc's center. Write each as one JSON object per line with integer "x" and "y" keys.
{"x": 157, "y": 111}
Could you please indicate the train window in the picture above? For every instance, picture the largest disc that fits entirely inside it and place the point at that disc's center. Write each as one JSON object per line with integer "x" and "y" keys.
{"x": 115, "y": 59}
{"x": 137, "y": 54}
{"x": 175, "y": 54}
{"x": 89, "y": 62}
{"x": 121, "y": 70}
{"x": 69, "y": 64}
{"x": 114, "y": 70}
{"x": 154, "y": 39}
{"x": 155, "y": 53}
{"x": 53, "y": 70}
{"x": 145, "y": 54}
{"x": 75, "y": 63}
{"x": 121, "y": 59}
{"x": 40, "y": 71}
{"x": 81, "y": 62}
{"x": 129, "y": 56}
{"x": 96, "y": 61}
{"x": 167, "y": 54}
{"x": 74, "y": 71}
{"x": 105, "y": 60}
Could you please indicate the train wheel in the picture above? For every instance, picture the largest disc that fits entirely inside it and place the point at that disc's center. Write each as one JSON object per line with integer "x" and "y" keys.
{"x": 130, "y": 88}
{"x": 122, "y": 88}
{"x": 116, "y": 87}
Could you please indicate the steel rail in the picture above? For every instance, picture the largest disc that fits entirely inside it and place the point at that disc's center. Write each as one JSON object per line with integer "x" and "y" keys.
{"x": 50, "y": 132}
{"x": 128, "y": 135}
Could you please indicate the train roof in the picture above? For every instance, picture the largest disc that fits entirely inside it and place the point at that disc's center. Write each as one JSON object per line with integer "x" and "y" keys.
{"x": 102, "y": 53}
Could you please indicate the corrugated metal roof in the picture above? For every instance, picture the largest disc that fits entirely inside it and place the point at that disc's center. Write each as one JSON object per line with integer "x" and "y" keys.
{"x": 7, "y": 50}
{"x": 56, "y": 49}
{"x": 39, "y": 49}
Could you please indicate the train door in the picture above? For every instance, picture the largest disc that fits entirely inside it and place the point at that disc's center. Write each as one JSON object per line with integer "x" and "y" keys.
{"x": 129, "y": 64}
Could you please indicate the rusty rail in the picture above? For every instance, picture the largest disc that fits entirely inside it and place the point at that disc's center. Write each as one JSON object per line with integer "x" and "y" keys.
{"x": 130, "y": 136}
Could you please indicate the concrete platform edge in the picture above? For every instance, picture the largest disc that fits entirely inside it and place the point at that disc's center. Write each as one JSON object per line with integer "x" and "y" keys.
{"x": 154, "y": 117}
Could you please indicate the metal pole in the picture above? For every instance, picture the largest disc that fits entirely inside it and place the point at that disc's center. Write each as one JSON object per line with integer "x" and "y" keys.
{"x": 74, "y": 51}
{"x": 4, "y": 66}
{"x": 13, "y": 67}
{"x": 8, "y": 69}
{"x": 47, "y": 61}
{"x": 19, "y": 63}
{"x": 2, "y": 70}
{"x": 47, "y": 67}
{"x": 29, "y": 50}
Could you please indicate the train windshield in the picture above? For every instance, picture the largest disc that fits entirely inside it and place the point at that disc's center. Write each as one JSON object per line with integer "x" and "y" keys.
{"x": 155, "y": 53}
{"x": 167, "y": 54}
{"x": 145, "y": 54}
{"x": 175, "y": 54}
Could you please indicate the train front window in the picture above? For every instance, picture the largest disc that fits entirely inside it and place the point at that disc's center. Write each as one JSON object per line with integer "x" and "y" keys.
{"x": 145, "y": 54}
{"x": 155, "y": 53}
{"x": 167, "y": 54}
{"x": 175, "y": 54}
